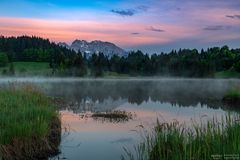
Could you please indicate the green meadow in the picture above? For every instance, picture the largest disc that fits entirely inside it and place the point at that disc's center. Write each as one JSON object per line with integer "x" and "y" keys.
{"x": 27, "y": 69}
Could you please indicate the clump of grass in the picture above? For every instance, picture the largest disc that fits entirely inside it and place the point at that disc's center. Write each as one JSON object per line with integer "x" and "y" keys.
{"x": 113, "y": 116}
{"x": 177, "y": 142}
{"x": 24, "y": 113}
{"x": 232, "y": 96}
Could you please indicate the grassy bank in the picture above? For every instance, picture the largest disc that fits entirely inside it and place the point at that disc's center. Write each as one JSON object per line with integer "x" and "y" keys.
{"x": 43, "y": 69}
{"x": 28, "y": 68}
{"x": 214, "y": 140}
{"x": 232, "y": 97}
{"x": 26, "y": 119}
{"x": 33, "y": 68}
{"x": 227, "y": 74}
{"x": 108, "y": 74}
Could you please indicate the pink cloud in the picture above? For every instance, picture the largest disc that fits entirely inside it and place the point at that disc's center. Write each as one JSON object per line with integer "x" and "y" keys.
{"x": 119, "y": 33}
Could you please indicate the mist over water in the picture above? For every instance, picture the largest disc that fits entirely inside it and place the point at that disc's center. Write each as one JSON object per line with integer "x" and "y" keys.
{"x": 180, "y": 91}
{"x": 148, "y": 99}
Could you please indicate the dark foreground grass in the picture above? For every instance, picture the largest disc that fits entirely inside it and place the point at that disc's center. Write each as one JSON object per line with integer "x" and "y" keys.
{"x": 26, "y": 119}
{"x": 214, "y": 140}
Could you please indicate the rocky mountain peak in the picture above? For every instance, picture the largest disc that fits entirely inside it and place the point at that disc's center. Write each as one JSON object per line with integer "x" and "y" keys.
{"x": 97, "y": 46}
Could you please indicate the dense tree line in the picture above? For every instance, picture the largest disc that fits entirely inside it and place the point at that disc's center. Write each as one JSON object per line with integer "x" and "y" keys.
{"x": 184, "y": 62}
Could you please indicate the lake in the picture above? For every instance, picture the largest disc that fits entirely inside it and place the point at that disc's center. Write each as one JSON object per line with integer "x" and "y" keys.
{"x": 168, "y": 100}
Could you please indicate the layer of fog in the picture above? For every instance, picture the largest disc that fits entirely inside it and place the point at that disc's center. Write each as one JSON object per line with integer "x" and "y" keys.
{"x": 110, "y": 92}
{"x": 77, "y": 79}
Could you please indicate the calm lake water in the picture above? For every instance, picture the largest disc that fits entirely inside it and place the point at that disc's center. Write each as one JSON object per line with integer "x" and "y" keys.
{"x": 83, "y": 137}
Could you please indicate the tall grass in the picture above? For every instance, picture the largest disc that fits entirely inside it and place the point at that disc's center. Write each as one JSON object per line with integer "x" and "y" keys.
{"x": 24, "y": 113}
{"x": 173, "y": 141}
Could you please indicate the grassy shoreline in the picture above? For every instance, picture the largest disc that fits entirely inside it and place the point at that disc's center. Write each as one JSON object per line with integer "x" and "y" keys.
{"x": 43, "y": 69}
{"x": 27, "y": 68}
{"x": 227, "y": 74}
{"x": 232, "y": 97}
{"x": 174, "y": 141}
{"x": 29, "y": 124}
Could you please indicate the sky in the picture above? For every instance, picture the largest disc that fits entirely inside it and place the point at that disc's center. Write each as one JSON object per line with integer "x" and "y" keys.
{"x": 152, "y": 26}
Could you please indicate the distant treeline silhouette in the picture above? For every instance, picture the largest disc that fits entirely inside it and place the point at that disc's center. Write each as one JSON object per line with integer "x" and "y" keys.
{"x": 184, "y": 62}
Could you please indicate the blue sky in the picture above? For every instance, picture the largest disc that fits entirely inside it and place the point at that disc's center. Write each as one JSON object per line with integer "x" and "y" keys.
{"x": 149, "y": 25}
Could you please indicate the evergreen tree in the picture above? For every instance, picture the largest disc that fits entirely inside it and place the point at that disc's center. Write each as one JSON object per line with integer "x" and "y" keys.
{"x": 3, "y": 59}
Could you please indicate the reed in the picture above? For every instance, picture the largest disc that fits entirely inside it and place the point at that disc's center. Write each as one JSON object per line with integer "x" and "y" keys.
{"x": 173, "y": 141}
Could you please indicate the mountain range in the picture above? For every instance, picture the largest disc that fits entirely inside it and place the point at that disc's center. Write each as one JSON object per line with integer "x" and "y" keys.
{"x": 107, "y": 48}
